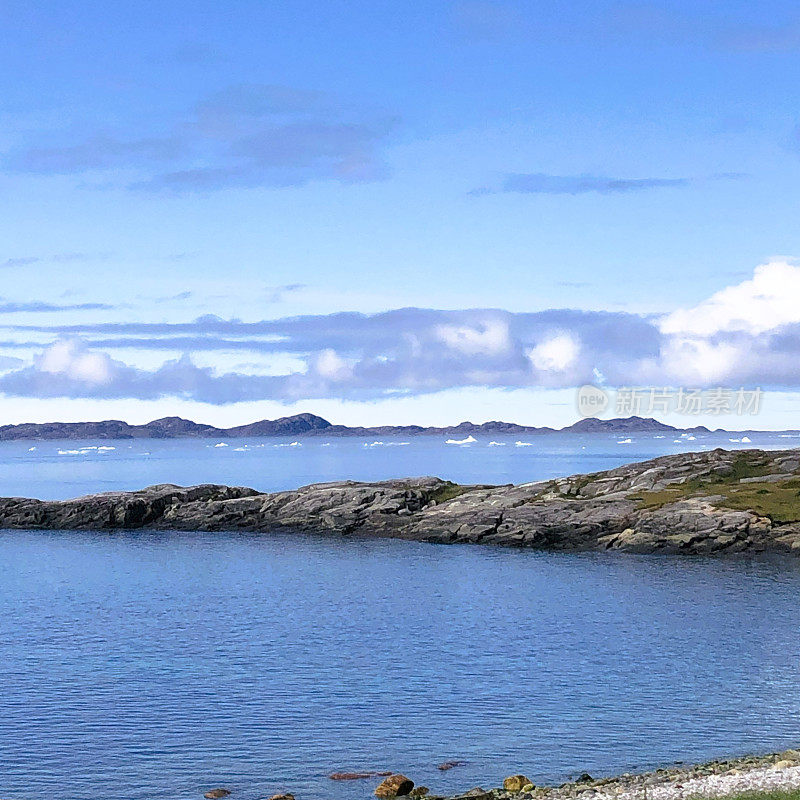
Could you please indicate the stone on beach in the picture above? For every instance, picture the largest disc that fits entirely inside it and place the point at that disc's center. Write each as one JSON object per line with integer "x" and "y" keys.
{"x": 394, "y": 786}
{"x": 515, "y": 783}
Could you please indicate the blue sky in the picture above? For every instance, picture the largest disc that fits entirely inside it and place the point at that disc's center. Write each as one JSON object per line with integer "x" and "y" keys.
{"x": 191, "y": 192}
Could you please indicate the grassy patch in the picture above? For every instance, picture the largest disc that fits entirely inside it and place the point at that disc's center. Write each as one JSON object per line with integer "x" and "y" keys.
{"x": 447, "y": 491}
{"x": 778, "y": 501}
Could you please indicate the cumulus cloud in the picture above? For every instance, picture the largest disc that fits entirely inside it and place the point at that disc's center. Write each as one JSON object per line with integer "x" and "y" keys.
{"x": 345, "y": 355}
{"x": 492, "y": 336}
{"x": 245, "y": 136}
{"x": 73, "y": 360}
{"x": 770, "y": 300}
{"x": 557, "y": 353}
{"x": 332, "y": 366}
{"x": 748, "y": 334}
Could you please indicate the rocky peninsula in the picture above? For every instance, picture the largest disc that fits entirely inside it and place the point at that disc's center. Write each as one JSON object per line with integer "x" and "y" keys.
{"x": 710, "y": 502}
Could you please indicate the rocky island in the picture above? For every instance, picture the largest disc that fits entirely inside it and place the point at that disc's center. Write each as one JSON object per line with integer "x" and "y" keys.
{"x": 710, "y": 502}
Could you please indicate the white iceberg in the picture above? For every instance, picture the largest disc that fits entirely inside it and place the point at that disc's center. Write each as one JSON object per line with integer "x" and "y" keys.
{"x": 468, "y": 440}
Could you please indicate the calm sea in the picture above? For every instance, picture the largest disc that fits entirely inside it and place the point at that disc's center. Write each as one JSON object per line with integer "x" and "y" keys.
{"x": 158, "y": 665}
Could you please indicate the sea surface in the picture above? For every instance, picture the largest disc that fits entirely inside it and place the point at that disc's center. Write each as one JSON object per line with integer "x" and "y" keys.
{"x": 61, "y": 469}
{"x": 151, "y": 664}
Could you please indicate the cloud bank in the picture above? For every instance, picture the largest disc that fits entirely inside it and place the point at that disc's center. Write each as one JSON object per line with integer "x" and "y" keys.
{"x": 744, "y": 335}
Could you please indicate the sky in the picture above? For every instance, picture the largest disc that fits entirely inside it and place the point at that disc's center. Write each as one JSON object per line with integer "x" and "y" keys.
{"x": 389, "y": 212}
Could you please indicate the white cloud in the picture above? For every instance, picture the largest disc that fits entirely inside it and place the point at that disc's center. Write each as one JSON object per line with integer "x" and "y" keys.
{"x": 555, "y": 354}
{"x": 697, "y": 361}
{"x": 71, "y": 359}
{"x": 490, "y": 338}
{"x": 332, "y": 366}
{"x": 770, "y": 299}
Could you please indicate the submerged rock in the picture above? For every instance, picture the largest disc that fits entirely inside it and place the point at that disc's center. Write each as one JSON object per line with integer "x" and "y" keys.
{"x": 356, "y": 776}
{"x": 445, "y": 765}
{"x": 215, "y": 794}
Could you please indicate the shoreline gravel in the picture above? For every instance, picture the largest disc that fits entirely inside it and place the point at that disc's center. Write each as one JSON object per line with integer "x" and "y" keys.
{"x": 715, "y": 779}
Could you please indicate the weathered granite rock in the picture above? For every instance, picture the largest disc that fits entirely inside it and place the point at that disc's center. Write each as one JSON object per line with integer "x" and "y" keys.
{"x": 394, "y": 786}
{"x": 515, "y": 783}
{"x": 215, "y": 794}
{"x": 673, "y": 504}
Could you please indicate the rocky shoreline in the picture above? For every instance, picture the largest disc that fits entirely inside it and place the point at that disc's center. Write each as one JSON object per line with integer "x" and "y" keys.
{"x": 711, "y": 502}
{"x": 715, "y": 779}
{"x": 721, "y": 778}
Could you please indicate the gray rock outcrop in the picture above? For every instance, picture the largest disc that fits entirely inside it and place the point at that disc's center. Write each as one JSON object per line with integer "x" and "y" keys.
{"x": 710, "y": 502}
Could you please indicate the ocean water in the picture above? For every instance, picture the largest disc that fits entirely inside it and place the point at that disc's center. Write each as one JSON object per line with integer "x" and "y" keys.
{"x": 158, "y": 664}
{"x": 61, "y": 469}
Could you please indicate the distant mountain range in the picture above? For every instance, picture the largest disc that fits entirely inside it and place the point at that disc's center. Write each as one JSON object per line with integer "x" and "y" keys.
{"x": 311, "y": 425}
